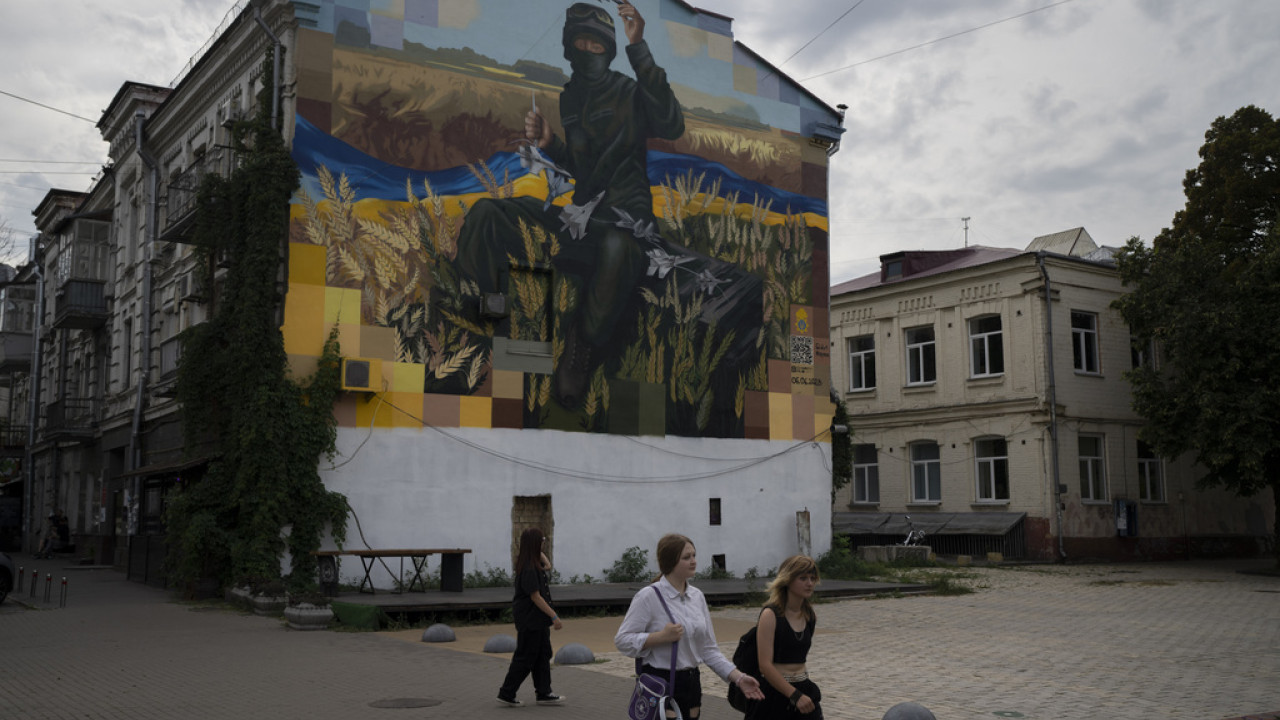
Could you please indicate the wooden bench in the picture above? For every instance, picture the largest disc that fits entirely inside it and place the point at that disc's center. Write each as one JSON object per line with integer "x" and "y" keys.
{"x": 450, "y": 565}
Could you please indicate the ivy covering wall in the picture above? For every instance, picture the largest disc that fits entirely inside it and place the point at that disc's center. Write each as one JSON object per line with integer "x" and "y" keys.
{"x": 262, "y": 494}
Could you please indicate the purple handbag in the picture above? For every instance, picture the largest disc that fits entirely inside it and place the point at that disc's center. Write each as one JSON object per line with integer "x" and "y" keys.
{"x": 652, "y": 694}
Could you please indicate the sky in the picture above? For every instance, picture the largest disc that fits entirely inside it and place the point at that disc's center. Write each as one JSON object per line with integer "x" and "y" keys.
{"x": 1026, "y": 116}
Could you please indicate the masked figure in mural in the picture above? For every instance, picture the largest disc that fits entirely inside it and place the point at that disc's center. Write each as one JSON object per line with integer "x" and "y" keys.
{"x": 605, "y": 235}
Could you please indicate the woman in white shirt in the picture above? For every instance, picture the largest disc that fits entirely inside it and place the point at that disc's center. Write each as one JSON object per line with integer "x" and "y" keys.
{"x": 647, "y": 631}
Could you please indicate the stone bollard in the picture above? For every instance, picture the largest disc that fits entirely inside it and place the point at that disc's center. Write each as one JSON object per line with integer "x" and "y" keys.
{"x": 909, "y": 711}
{"x": 995, "y": 557}
{"x": 438, "y": 633}
{"x": 500, "y": 643}
{"x": 964, "y": 560}
{"x": 575, "y": 654}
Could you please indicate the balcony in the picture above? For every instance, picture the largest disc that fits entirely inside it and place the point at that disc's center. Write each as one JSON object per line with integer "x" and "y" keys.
{"x": 71, "y": 419}
{"x": 15, "y": 352}
{"x": 179, "y": 206}
{"x": 80, "y": 305}
{"x": 12, "y": 437}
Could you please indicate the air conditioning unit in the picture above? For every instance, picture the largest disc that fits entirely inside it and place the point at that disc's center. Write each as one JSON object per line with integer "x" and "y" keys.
{"x": 361, "y": 374}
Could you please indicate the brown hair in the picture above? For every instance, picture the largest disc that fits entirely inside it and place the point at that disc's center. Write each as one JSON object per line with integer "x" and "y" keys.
{"x": 792, "y": 568}
{"x": 530, "y": 550}
{"x": 670, "y": 548}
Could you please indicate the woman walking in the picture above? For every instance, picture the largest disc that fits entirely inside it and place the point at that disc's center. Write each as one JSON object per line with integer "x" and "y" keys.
{"x": 534, "y": 618}
{"x": 678, "y": 615}
{"x": 784, "y": 634}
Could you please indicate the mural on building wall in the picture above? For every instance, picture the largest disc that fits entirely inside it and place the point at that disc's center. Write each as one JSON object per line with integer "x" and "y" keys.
{"x": 585, "y": 216}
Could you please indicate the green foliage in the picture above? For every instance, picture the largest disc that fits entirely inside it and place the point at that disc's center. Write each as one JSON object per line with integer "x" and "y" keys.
{"x": 712, "y": 572}
{"x": 841, "y": 446}
{"x": 1207, "y": 295}
{"x": 633, "y": 566}
{"x": 266, "y": 430}
{"x": 489, "y": 577}
{"x": 840, "y": 562}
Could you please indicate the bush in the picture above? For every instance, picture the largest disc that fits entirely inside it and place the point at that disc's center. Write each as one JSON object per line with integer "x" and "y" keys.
{"x": 491, "y": 577}
{"x": 633, "y": 566}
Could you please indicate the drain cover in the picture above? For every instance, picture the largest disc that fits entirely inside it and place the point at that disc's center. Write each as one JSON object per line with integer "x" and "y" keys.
{"x": 405, "y": 703}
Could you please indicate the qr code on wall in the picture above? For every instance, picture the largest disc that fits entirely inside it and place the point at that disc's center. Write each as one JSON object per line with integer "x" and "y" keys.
{"x": 801, "y": 350}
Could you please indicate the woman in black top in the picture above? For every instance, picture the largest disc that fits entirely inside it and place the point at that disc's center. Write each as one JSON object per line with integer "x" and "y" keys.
{"x": 784, "y": 634}
{"x": 534, "y": 620}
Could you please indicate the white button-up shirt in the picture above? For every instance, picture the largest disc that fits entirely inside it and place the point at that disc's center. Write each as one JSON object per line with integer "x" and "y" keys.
{"x": 646, "y": 616}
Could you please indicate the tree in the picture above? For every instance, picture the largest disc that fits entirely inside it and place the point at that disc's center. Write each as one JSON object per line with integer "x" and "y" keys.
{"x": 1207, "y": 293}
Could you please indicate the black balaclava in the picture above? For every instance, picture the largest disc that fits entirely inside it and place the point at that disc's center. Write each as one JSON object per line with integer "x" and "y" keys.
{"x": 596, "y": 23}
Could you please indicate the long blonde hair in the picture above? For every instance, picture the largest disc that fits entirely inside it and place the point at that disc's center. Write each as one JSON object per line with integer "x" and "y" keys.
{"x": 792, "y": 568}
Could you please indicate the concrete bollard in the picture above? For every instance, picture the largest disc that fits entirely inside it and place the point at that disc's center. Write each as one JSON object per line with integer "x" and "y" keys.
{"x": 995, "y": 557}
{"x": 438, "y": 633}
{"x": 500, "y": 643}
{"x": 909, "y": 711}
{"x": 964, "y": 560}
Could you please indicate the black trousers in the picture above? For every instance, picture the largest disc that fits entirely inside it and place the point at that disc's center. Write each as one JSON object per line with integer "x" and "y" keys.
{"x": 776, "y": 706}
{"x": 688, "y": 690}
{"x": 532, "y": 657}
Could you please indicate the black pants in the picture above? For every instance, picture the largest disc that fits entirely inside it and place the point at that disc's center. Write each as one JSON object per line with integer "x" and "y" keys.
{"x": 532, "y": 656}
{"x": 775, "y": 705}
{"x": 688, "y": 690}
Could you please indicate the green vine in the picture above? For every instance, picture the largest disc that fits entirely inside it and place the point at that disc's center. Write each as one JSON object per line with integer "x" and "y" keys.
{"x": 262, "y": 494}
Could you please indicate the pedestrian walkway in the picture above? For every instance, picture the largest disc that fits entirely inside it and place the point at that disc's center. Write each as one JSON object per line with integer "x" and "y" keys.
{"x": 1193, "y": 641}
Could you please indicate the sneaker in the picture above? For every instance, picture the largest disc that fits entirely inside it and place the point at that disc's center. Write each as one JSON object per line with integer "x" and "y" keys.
{"x": 509, "y": 702}
{"x": 551, "y": 699}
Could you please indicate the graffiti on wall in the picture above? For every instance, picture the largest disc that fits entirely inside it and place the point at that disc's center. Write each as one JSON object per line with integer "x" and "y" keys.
{"x": 583, "y": 216}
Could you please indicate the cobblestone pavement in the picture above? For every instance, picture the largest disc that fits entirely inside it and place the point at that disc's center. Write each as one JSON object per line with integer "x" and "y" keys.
{"x": 1197, "y": 640}
{"x": 1183, "y": 640}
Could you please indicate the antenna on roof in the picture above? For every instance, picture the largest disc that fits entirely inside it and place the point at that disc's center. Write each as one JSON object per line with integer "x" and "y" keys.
{"x": 966, "y": 231}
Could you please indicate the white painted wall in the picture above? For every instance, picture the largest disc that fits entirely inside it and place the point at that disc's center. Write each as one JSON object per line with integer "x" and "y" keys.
{"x": 454, "y": 487}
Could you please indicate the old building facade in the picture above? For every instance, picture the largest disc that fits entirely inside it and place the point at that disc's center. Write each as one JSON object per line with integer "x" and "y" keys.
{"x": 608, "y": 368}
{"x": 987, "y": 402}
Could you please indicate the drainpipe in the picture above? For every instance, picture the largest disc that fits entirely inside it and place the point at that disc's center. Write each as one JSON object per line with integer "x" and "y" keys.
{"x": 33, "y": 412}
{"x": 275, "y": 68}
{"x": 144, "y": 364}
{"x": 1053, "y": 401}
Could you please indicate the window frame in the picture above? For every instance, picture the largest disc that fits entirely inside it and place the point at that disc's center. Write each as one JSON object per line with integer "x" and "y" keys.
{"x": 1151, "y": 475}
{"x": 985, "y": 338}
{"x": 925, "y": 356}
{"x": 866, "y": 475}
{"x": 1085, "y": 348}
{"x": 1097, "y": 467}
{"x": 927, "y": 469}
{"x": 859, "y": 360}
{"x": 987, "y": 477}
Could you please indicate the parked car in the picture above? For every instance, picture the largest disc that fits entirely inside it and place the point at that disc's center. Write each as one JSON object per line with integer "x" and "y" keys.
{"x": 7, "y": 575}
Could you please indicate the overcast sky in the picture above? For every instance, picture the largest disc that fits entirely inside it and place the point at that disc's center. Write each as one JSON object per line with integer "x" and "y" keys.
{"x": 1087, "y": 113}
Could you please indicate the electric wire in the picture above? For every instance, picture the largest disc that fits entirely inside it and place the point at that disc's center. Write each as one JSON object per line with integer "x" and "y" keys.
{"x": 820, "y": 34}
{"x": 47, "y": 107}
{"x": 741, "y": 463}
{"x": 938, "y": 40}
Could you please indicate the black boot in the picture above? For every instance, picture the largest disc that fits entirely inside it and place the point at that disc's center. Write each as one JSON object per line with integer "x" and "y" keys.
{"x": 573, "y": 372}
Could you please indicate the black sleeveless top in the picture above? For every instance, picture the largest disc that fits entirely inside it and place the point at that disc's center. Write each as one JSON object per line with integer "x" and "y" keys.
{"x": 787, "y": 647}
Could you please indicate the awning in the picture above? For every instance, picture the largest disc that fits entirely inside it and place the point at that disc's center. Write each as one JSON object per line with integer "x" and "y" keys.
{"x": 164, "y": 468}
{"x": 970, "y": 523}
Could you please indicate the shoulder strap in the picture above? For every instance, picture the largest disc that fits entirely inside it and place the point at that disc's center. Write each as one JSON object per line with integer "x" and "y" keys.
{"x": 656, "y": 591}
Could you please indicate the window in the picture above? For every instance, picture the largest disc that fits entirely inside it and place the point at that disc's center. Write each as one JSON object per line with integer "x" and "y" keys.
{"x": 1150, "y": 475}
{"x": 866, "y": 474}
{"x": 1143, "y": 353}
{"x": 926, "y": 472}
{"x": 1093, "y": 480}
{"x": 1084, "y": 340}
{"x": 862, "y": 363}
{"x": 986, "y": 347}
{"x": 922, "y": 365}
{"x": 714, "y": 507}
{"x": 992, "y": 456}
